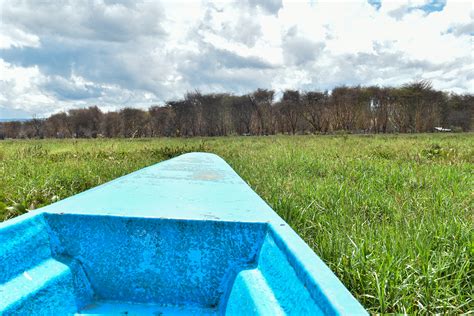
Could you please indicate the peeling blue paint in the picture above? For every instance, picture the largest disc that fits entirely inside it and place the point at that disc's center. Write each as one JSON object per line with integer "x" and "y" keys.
{"x": 185, "y": 236}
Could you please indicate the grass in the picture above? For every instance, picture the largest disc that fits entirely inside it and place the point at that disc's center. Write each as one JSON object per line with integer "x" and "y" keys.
{"x": 392, "y": 216}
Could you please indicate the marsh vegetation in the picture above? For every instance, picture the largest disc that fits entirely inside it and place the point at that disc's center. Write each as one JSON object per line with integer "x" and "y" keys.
{"x": 392, "y": 215}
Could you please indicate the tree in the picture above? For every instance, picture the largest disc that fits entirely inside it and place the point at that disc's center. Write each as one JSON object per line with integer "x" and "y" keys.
{"x": 262, "y": 100}
{"x": 133, "y": 123}
{"x": 85, "y": 122}
{"x": 414, "y": 107}
{"x": 314, "y": 108}
{"x": 380, "y": 101}
{"x": 161, "y": 120}
{"x": 33, "y": 128}
{"x": 57, "y": 125}
{"x": 460, "y": 112}
{"x": 290, "y": 110}
{"x": 12, "y": 129}
{"x": 242, "y": 111}
{"x": 111, "y": 124}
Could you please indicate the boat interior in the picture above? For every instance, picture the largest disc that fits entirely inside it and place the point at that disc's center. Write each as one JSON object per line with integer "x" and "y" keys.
{"x": 101, "y": 264}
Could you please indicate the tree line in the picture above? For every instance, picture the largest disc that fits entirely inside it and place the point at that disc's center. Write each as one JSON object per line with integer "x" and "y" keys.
{"x": 411, "y": 108}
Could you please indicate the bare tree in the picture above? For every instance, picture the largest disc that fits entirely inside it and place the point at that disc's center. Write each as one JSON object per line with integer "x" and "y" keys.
{"x": 262, "y": 100}
{"x": 57, "y": 125}
{"x": 161, "y": 120}
{"x": 314, "y": 105}
{"x": 414, "y": 107}
{"x": 133, "y": 122}
{"x": 111, "y": 124}
{"x": 290, "y": 110}
{"x": 85, "y": 122}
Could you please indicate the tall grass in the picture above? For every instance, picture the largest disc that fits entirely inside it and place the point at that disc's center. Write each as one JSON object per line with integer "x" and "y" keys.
{"x": 391, "y": 215}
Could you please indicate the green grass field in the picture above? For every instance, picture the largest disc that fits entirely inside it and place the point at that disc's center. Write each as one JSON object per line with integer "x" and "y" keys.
{"x": 392, "y": 216}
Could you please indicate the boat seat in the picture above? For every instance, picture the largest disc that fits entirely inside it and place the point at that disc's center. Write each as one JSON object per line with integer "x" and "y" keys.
{"x": 272, "y": 288}
{"x": 47, "y": 287}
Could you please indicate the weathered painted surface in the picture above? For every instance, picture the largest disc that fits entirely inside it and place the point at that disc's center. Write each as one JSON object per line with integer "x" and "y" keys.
{"x": 185, "y": 236}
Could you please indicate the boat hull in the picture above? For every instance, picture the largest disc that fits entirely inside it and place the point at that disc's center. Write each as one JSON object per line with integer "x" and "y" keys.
{"x": 186, "y": 236}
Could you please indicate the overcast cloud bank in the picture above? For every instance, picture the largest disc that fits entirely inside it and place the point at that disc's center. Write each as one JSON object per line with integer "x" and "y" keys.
{"x": 60, "y": 55}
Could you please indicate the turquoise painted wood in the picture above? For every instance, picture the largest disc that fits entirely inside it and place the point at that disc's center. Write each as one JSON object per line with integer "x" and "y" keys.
{"x": 185, "y": 236}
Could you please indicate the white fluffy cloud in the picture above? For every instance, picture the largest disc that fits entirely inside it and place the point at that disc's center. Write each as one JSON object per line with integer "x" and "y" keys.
{"x": 58, "y": 55}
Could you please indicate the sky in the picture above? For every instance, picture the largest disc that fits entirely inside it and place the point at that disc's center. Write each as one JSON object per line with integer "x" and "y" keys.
{"x": 57, "y": 55}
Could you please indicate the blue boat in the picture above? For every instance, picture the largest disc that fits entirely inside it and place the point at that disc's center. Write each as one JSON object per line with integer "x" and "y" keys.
{"x": 186, "y": 236}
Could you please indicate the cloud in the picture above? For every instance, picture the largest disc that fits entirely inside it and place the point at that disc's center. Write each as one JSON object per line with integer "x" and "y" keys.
{"x": 73, "y": 88}
{"x": 95, "y": 20}
{"x": 26, "y": 91}
{"x": 268, "y": 6}
{"x": 298, "y": 50}
{"x": 60, "y": 54}
{"x": 20, "y": 87}
{"x": 397, "y": 9}
{"x": 246, "y": 30}
{"x": 11, "y": 37}
{"x": 460, "y": 29}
